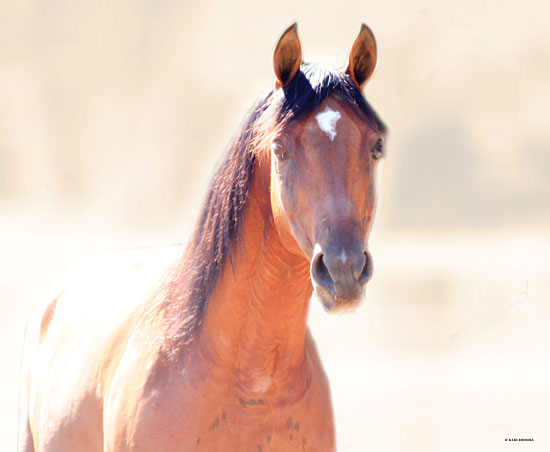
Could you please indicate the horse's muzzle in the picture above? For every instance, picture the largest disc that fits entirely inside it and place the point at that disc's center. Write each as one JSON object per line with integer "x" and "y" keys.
{"x": 339, "y": 277}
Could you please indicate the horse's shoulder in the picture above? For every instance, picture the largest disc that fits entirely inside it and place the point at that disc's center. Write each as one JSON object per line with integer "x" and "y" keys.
{"x": 101, "y": 292}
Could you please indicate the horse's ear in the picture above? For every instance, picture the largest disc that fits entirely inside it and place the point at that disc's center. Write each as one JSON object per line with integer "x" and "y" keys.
{"x": 287, "y": 56}
{"x": 362, "y": 57}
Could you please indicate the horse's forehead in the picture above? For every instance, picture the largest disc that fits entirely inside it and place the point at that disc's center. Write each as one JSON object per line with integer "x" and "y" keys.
{"x": 333, "y": 122}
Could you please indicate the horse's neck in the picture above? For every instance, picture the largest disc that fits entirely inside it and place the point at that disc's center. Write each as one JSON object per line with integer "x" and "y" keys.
{"x": 255, "y": 325}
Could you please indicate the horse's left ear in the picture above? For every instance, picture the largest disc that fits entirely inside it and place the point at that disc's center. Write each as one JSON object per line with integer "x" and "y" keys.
{"x": 362, "y": 57}
{"x": 287, "y": 56}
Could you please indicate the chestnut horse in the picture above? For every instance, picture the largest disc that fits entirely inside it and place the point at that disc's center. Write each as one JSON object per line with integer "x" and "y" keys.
{"x": 207, "y": 348}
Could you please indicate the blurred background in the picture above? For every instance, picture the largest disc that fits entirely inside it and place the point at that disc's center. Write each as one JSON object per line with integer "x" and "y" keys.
{"x": 113, "y": 114}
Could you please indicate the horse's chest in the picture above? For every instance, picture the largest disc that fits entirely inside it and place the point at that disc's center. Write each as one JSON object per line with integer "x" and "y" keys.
{"x": 278, "y": 435}
{"x": 230, "y": 432}
{"x": 213, "y": 419}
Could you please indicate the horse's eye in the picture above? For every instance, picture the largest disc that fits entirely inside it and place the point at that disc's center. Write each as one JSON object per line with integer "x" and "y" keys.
{"x": 378, "y": 149}
{"x": 278, "y": 149}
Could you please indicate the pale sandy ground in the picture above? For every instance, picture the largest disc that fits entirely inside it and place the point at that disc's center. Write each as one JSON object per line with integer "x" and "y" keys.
{"x": 112, "y": 115}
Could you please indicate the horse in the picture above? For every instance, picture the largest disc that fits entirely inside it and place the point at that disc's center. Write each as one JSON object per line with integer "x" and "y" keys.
{"x": 205, "y": 347}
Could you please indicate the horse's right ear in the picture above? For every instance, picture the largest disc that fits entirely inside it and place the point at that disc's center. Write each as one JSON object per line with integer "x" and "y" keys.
{"x": 287, "y": 56}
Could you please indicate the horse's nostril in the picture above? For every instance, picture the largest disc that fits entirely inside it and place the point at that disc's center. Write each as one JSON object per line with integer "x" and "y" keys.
{"x": 359, "y": 265}
{"x": 366, "y": 272}
{"x": 320, "y": 268}
{"x": 320, "y": 272}
{"x": 340, "y": 276}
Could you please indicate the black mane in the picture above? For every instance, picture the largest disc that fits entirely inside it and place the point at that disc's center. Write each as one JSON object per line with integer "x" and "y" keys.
{"x": 183, "y": 299}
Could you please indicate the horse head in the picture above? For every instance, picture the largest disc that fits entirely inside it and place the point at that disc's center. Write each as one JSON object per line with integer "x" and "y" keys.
{"x": 323, "y": 162}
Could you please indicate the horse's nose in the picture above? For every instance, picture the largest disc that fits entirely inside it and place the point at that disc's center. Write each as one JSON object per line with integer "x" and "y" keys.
{"x": 343, "y": 273}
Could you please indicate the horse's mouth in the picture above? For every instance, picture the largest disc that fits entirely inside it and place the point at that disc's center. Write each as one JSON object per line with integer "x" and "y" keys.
{"x": 335, "y": 305}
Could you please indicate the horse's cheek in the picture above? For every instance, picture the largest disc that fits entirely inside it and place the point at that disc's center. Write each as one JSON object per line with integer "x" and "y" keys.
{"x": 286, "y": 176}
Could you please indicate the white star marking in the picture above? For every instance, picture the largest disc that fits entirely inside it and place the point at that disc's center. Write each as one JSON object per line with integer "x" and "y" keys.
{"x": 327, "y": 122}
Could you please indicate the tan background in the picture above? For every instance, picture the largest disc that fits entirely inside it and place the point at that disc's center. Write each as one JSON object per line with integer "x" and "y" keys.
{"x": 112, "y": 115}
